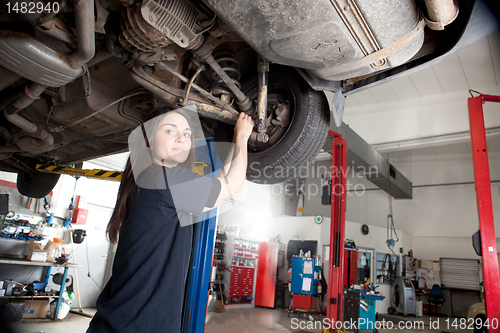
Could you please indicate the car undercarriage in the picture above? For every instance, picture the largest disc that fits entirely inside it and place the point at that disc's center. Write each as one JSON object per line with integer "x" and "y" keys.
{"x": 76, "y": 77}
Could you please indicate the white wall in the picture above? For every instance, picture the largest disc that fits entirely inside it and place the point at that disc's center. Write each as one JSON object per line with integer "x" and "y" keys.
{"x": 258, "y": 215}
{"x": 93, "y": 252}
{"x": 417, "y": 118}
{"x": 441, "y": 217}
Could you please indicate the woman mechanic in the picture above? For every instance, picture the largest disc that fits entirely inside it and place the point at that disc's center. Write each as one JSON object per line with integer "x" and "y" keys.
{"x": 153, "y": 219}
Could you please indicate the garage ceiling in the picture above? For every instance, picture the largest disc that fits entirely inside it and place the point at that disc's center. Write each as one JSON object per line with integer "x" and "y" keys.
{"x": 475, "y": 67}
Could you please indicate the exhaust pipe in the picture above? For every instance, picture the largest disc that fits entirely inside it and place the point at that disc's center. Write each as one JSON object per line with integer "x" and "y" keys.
{"x": 44, "y": 66}
{"x": 84, "y": 16}
{"x": 38, "y": 62}
{"x": 441, "y": 13}
{"x": 41, "y": 140}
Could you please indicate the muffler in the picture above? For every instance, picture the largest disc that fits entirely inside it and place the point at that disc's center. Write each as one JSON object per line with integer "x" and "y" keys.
{"x": 45, "y": 66}
{"x": 39, "y": 62}
{"x": 36, "y": 61}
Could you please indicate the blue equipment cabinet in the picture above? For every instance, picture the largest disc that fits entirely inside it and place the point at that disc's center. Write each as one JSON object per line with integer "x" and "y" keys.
{"x": 367, "y": 314}
{"x": 304, "y": 268}
{"x": 360, "y": 308}
{"x": 367, "y": 310}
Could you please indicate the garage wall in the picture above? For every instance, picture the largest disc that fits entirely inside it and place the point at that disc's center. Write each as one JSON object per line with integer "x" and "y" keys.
{"x": 419, "y": 117}
{"x": 92, "y": 254}
{"x": 269, "y": 222}
{"x": 444, "y": 227}
{"x": 441, "y": 217}
{"x": 375, "y": 241}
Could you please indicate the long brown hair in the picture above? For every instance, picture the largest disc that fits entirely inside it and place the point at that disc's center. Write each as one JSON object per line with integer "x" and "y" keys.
{"x": 127, "y": 184}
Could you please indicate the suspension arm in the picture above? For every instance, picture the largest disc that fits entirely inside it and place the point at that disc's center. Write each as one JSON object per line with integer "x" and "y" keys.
{"x": 206, "y": 94}
{"x": 205, "y": 53}
{"x": 165, "y": 92}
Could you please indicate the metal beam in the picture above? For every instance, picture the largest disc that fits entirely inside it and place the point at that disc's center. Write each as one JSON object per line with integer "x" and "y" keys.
{"x": 94, "y": 173}
{"x": 365, "y": 159}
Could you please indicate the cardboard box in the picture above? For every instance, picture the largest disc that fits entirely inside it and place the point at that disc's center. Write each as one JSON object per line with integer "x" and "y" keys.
{"x": 36, "y": 308}
{"x": 35, "y": 252}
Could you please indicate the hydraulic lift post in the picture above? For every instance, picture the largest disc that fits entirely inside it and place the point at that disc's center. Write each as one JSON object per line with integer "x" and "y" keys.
{"x": 485, "y": 207}
{"x": 196, "y": 300}
{"x": 335, "y": 294}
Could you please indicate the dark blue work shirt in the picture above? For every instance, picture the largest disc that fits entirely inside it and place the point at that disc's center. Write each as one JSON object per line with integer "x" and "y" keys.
{"x": 146, "y": 290}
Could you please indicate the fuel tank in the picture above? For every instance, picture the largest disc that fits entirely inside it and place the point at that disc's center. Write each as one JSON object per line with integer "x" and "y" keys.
{"x": 334, "y": 39}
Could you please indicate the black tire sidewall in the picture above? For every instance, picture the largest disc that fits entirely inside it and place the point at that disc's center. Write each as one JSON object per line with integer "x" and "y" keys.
{"x": 262, "y": 164}
{"x": 300, "y": 102}
{"x": 37, "y": 185}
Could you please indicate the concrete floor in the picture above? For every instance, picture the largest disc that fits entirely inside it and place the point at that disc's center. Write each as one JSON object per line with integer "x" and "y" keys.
{"x": 244, "y": 320}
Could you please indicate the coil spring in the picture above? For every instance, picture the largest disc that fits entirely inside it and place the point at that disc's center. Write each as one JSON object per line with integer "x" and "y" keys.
{"x": 230, "y": 66}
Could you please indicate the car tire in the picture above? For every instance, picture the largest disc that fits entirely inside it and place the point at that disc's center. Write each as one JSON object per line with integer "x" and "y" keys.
{"x": 282, "y": 159}
{"x": 36, "y": 185}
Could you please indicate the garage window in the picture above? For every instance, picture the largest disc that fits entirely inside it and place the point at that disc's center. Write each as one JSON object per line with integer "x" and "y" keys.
{"x": 387, "y": 267}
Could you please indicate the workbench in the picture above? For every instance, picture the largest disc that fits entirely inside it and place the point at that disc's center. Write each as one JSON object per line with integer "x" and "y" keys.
{"x": 49, "y": 265}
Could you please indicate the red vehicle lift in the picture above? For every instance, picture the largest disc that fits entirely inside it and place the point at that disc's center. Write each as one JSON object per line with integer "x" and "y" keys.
{"x": 485, "y": 206}
{"x": 485, "y": 210}
{"x": 335, "y": 294}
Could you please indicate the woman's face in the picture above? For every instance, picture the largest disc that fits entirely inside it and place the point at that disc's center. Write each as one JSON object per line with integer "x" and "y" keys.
{"x": 172, "y": 140}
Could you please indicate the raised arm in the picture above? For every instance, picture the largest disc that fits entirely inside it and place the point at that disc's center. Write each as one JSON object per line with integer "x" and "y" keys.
{"x": 232, "y": 175}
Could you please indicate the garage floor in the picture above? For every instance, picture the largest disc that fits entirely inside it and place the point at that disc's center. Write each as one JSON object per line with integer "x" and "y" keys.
{"x": 236, "y": 320}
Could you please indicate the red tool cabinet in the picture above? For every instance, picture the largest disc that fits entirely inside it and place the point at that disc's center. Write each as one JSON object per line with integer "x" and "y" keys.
{"x": 241, "y": 285}
{"x": 266, "y": 274}
{"x": 350, "y": 267}
{"x": 305, "y": 303}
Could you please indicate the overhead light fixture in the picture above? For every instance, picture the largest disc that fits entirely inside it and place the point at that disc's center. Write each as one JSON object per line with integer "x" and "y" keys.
{"x": 432, "y": 141}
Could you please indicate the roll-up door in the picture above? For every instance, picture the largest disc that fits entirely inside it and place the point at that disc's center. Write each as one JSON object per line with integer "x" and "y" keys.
{"x": 460, "y": 273}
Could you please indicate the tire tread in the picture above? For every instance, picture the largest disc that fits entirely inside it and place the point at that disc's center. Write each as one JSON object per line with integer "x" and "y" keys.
{"x": 307, "y": 145}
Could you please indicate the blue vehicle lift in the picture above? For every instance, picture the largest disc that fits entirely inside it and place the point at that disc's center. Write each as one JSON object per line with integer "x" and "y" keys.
{"x": 202, "y": 256}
